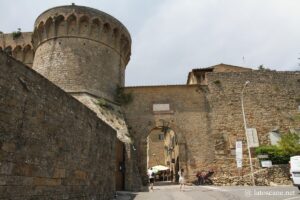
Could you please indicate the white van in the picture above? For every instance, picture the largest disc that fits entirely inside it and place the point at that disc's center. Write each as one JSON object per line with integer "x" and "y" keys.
{"x": 295, "y": 170}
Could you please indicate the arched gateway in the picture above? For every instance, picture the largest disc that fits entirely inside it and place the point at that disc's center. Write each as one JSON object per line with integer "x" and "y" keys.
{"x": 165, "y": 140}
{"x": 163, "y": 153}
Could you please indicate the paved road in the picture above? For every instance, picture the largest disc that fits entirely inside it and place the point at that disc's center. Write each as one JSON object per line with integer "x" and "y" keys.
{"x": 171, "y": 192}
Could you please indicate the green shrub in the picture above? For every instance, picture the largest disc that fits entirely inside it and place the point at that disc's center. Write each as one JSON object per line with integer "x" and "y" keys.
{"x": 296, "y": 117}
{"x": 287, "y": 146}
{"x": 121, "y": 97}
{"x": 289, "y": 143}
{"x": 276, "y": 155}
{"x": 17, "y": 34}
{"x": 104, "y": 104}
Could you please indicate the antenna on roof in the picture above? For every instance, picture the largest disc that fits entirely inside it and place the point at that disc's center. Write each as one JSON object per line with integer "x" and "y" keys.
{"x": 244, "y": 62}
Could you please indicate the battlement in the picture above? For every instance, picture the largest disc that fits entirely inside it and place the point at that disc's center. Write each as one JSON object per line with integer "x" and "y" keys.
{"x": 81, "y": 49}
{"x": 19, "y": 47}
{"x": 83, "y": 22}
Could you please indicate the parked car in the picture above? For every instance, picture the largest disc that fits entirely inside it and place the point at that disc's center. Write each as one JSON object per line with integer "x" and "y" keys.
{"x": 295, "y": 170}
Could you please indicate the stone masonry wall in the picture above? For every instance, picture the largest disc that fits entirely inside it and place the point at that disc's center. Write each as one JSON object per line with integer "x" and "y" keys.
{"x": 271, "y": 102}
{"x": 208, "y": 119}
{"x": 81, "y": 49}
{"x": 156, "y": 149}
{"x": 19, "y": 47}
{"x": 187, "y": 118}
{"x": 93, "y": 69}
{"x": 276, "y": 175}
{"x": 51, "y": 145}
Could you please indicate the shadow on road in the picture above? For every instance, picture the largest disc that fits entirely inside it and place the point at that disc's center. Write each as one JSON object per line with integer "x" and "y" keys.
{"x": 124, "y": 195}
{"x": 164, "y": 183}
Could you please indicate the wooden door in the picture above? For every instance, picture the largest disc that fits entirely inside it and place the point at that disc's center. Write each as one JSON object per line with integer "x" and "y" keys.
{"x": 120, "y": 165}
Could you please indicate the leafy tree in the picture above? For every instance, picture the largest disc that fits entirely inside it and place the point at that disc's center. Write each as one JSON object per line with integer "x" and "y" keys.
{"x": 263, "y": 68}
{"x": 17, "y": 34}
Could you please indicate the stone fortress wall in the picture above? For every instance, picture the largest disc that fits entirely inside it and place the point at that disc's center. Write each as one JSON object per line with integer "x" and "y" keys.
{"x": 188, "y": 118}
{"x": 85, "y": 52}
{"x": 208, "y": 118}
{"x": 81, "y": 49}
{"x": 51, "y": 145}
{"x": 19, "y": 47}
{"x": 271, "y": 103}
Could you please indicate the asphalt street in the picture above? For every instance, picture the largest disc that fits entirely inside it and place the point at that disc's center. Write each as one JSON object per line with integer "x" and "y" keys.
{"x": 172, "y": 192}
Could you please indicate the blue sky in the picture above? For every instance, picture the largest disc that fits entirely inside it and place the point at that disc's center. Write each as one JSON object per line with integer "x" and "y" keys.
{"x": 170, "y": 37}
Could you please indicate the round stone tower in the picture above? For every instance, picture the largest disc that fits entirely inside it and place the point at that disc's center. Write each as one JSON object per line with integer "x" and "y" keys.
{"x": 82, "y": 50}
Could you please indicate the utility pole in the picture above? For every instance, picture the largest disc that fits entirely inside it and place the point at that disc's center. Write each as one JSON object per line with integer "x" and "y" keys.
{"x": 245, "y": 126}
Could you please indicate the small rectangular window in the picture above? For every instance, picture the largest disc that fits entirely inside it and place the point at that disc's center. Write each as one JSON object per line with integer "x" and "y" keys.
{"x": 161, "y": 136}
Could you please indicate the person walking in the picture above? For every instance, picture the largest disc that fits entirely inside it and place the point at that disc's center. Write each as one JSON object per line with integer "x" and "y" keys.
{"x": 181, "y": 179}
{"x": 151, "y": 175}
{"x": 199, "y": 177}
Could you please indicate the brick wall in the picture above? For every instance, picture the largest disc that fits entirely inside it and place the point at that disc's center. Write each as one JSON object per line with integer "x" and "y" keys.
{"x": 51, "y": 146}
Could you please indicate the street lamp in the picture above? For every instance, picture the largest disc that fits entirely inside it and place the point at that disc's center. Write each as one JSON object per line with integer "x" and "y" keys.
{"x": 245, "y": 126}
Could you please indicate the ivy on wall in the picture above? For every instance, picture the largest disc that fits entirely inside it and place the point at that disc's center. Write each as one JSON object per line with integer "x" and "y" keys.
{"x": 121, "y": 97}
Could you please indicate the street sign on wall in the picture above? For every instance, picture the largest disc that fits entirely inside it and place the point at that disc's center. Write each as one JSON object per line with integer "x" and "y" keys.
{"x": 239, "y": 163}
{"x": 161, "y": 107}
{"x": 266, "y": 163}
{"x": 239, "y": 153}
{"x": 252, "y": 137}
{"x": 238, "y": 150}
